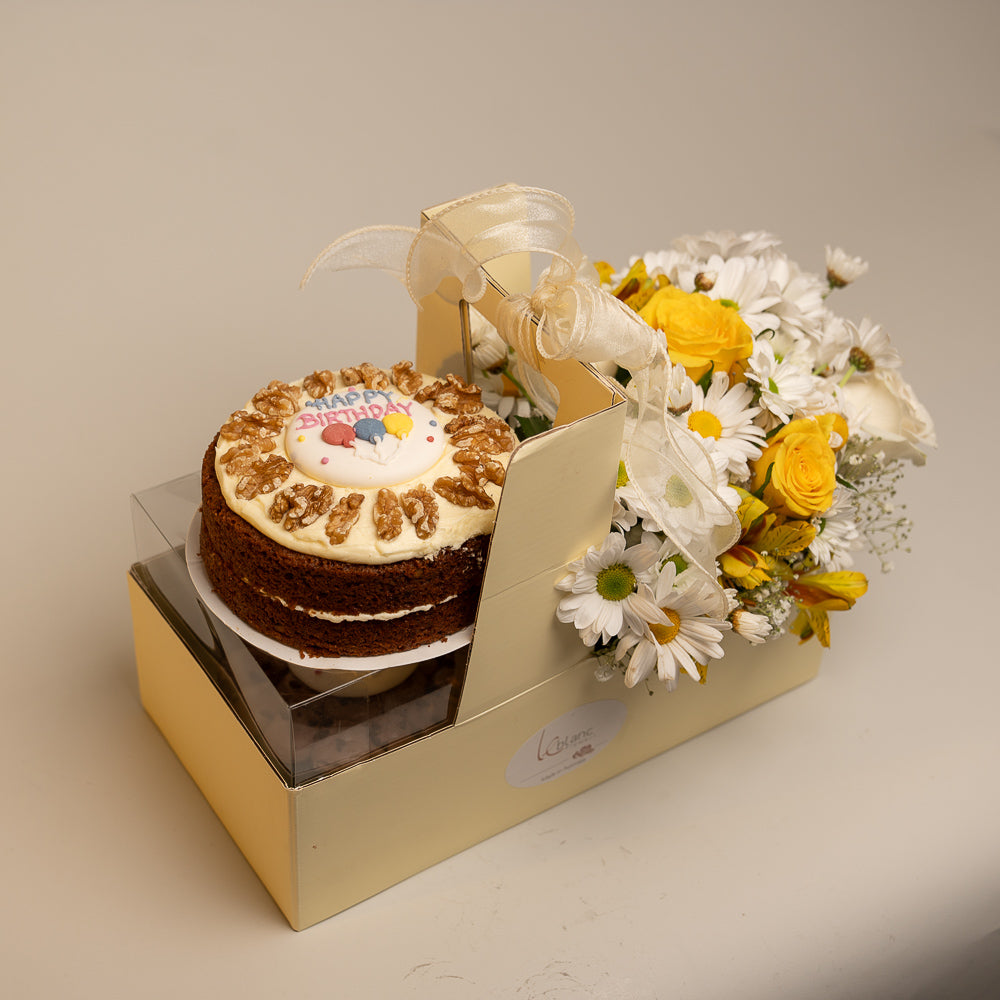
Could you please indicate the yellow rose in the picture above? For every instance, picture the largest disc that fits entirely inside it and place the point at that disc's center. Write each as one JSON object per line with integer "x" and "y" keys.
{"x": 700, "y": 331}
{"x": 803, "y": 467}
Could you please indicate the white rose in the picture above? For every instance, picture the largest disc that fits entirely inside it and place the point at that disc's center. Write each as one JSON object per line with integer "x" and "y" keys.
{"x": 885, "y": 406}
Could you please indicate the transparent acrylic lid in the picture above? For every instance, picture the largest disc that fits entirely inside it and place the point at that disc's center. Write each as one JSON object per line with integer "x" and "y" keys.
{"x": 309, "y": 718}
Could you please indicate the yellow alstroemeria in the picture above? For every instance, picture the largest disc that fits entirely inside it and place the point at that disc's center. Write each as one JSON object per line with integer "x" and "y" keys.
{"x": 819, "y": 593}
{"x": 766, "y": 541}
{"x": 784, "y": 538}
{"x": 636, "y": 288}
{"x": 746, "y": 567}
{"x": 750, "y": 509}
{"x": 605, "y": 272}
{"x": 812, "y": 622}
{"x": 833, "y": 591}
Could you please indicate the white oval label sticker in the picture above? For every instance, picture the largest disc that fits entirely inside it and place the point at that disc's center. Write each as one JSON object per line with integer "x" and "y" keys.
{"x": 566, "y": 743}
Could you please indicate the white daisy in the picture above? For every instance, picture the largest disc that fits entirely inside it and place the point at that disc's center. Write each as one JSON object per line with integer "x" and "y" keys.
{"x": 489, "y": 355}
{"x": 801, "y": 311}
{"x": 787, "y": 387}
{"x": 867, "y": 349}
{"x": 745, "y": 281}
{"x": 488, "y": 348}
{"x": 670, "y": 263}
{"x": 622, "y": 518}
{"x": 503, "y": 405}
{"x": 724, "y": 417}
{"x": 726, "y": 244}
{"x": 678, "y": 390}
{"x": 842, "y": 268}
{"x": 684, "y": 637}
{"x": 669, "y": 388}
{"x": 498, "y": 367}
{"x": 838, "y": 533}
{"x": 834, "y": 340}
{"x": 686, "y": 517}
{"x": 627, "y": 496}
{"x": 754, "y": 628}
{"x": 609, "y": 589}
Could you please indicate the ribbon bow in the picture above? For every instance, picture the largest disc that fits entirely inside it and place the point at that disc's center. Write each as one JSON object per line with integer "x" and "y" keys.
{"x": 567, "y": 315}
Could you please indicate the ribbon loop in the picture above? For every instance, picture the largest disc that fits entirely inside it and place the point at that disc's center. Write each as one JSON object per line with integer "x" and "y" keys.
{"x": 673, "y": 478}
{"x": 386, "y": 248}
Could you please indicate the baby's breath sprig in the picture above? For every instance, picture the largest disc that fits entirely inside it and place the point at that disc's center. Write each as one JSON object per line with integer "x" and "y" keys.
{"x": 874, "y": 479}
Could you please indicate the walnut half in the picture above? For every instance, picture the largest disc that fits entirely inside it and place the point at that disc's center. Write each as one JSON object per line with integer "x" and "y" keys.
{"x": 453, "y": 395}
{"x": 406, "y": 378}
{"x": 243, "y": 426}
{"x": 343, "y": 517}
{"x": 320, "y": 383}
{"x": 264, "y": 476}
{"x": 279, "y": 399}
{"x": 463, "y": 492}
{"x": 299, "y": 505}
{"x": 366, "y": 373}
{"x": 421, "y": 508}
{"x": 388, "y": 515}
{"x": 240, "y": 459}
{"x": 480, "y": 467}
{"x": 487, "y": 435}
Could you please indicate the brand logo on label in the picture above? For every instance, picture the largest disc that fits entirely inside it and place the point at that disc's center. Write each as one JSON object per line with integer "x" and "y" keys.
{"x": 566, "y": 743}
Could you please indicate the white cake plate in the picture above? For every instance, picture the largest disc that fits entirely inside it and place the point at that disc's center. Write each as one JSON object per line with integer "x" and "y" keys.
{"x": 369, "y": 674}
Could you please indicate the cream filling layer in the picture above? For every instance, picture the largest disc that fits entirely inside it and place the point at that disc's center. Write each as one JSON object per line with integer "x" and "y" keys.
{"x": 384, "y": 616}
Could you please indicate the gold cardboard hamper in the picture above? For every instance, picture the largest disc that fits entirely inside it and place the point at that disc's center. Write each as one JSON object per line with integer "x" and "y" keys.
{"x": 532, "y": 726}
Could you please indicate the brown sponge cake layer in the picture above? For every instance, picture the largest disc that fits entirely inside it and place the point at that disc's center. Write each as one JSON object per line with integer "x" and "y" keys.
{"x": 319, "y": 637}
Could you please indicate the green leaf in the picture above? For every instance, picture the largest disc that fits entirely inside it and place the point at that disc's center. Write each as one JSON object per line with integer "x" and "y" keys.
{"x": 678, "y": 560}
{"x": 530, "y": 426}
{"x": 759, "y": 493}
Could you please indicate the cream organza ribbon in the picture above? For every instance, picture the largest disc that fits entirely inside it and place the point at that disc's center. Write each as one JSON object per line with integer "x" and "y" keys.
{"x": 567, "y": 316}
{"x": 673, "y": 478}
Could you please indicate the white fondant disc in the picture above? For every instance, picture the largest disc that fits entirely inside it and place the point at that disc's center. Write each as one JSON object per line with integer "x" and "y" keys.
{"x": 391, "y": 439}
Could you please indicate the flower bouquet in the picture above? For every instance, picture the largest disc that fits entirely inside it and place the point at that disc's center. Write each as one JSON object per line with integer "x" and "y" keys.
{"x": 762, "y": 452}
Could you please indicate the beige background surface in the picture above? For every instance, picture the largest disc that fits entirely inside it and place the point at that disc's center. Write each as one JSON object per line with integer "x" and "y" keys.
{"x": 168, "y": 171}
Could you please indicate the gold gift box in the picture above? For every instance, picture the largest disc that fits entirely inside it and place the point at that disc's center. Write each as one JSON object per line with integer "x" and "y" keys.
{"x": 332, "y": 799}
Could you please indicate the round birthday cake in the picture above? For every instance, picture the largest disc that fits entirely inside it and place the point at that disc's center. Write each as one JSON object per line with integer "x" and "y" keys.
{"x": 349, "y": 513}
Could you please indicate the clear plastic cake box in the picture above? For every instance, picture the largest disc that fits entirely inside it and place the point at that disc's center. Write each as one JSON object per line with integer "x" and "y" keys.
{"x": 333, "y": 797}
